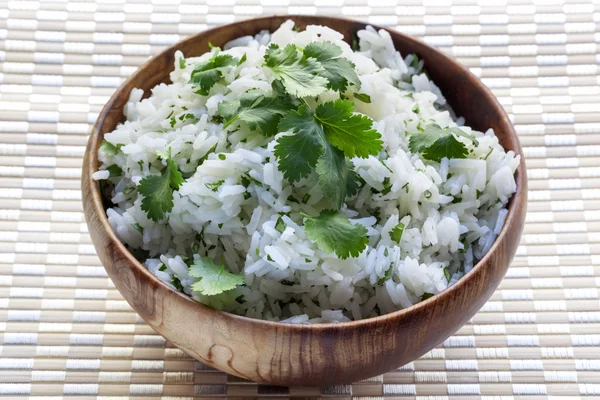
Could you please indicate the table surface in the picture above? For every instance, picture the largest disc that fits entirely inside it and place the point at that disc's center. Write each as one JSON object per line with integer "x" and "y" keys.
{"x": 65, "y": 331}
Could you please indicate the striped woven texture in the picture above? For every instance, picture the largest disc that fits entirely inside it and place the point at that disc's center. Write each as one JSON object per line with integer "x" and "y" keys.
{"x": 65, "y": 331}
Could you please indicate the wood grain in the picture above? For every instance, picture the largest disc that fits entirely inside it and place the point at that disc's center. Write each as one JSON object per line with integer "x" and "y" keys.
{"x": 286, "y": 354}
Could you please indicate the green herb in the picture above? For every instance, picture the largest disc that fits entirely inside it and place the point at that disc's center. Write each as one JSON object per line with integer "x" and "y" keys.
{"x": 436, "y": 143}
{"x": 321, "y": 141}
{"x": 427, "y": 194}
{"x": 339, "y": 71}
{"x": 269, "y": 258}
{"x": 162, "y": 267}
{"x": 478, "y": 193}
{"x": 114, "y": 171}
{"x": 205, "y": 157}
{"x": 181, "y": 63}
{"x": 488, "y": 153}
{"x": 172, "y": 122}
{"x": 307, "y": 260}
{"x": 208, "y": 73}
{"x": 387, "y": 186}
{"x": 220, "y": 225}
{"x": 405, "y": 187}
{"x": 426, "y": 295}
{"x": 138, "y": 228}
{"x": 447, "y": 274}
{"x": 415, "y": 62}
{"x": 297, "y": 73}
{"x": 334, "y": 233}
{"x": 261, "y": 112}
{"x": 355, "y": 45}
{"x": 175, "y": 281}
{"x": 351, "y": 133}
{"x": 195, "y": 248}
{"x": 280, "y": 225}
{"x": 387, "y": 276}
{"x": 396, "y": 233}
{"x": 129, "y": 190}
{"x": 222, "y": 157}
{"x": 214, "y": 279}
{"x": 416, "y": 109}
{"x": 365, "y": 98}
{"x": 305, "y": 198}
{"x": 157, "y": 191}
{"x": 214, "y": 186}
{"x": 109, "y": 149}
{"x": 243, "y": 59}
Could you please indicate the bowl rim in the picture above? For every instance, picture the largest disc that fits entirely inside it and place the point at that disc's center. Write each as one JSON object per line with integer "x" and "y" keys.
{"x": 520, "y": 196}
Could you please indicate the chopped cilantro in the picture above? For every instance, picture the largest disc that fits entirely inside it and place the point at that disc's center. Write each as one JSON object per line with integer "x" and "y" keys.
{"x": 365, "y": 98}
{"x": 214, "y": 186}
{"x": 297, "y": 73}
{"x": 488, "y": 153}
{"x": 280, "y": 225}
{"x": 181, "y": 63}
{"x": 447, "y": 274}
{"x": 214, "y": 279}
{"x": 115, "y": 171}
{"x": 427, "y": 194}
{"x": 426, "y": 295}
{"x": 208, "y": 73}
{"x": 109, "y": 149}
{"x": 175, "y": 281}
{"x": 129, "y": 190}
{"x": 387, "y": 186}
{"x": 396, "y": 233}
{"x": 333, "y": 232}
{"x": 222, "y": 157}
{"x": 387, "y": 276}
{"x": 157, "y": 191}
{"x": 138, "y": 228}
{"x": 436, "y": 143}
{"x": 243, "y": 59}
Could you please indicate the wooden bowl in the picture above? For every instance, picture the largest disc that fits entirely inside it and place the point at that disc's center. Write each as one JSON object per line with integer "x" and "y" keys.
{"x": 288, "y": 354}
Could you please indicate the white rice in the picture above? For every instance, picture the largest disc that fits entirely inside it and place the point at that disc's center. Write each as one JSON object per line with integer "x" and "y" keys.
{"x": 452, "y": 210}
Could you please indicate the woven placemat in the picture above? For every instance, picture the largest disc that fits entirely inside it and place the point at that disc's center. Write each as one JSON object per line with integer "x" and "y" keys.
{"x": 65, "y": 331}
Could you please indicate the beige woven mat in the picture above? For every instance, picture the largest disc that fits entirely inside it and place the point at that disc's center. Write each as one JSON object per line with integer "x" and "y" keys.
{"x": 66, "y": 332}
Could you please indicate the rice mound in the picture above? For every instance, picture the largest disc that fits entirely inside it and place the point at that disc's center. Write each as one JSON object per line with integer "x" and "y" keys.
{"x": 452, "y": 210}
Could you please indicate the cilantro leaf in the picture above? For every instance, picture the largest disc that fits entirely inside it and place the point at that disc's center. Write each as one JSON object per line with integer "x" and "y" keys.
{"x": 365, "y": 98}
{"x": 353, "y": 181}
{"x": 109, "y": 149}
{"x": 333, "y": 175}
{"x": 333, "y": 232}
{"x": 349, "y": 132}
{"x": 339, "y": 71}
{"x": 214, "y": 279}
{"x": 298, "y": 153}
{"x": 157, "y": 191}
{"x": 435, "y": 143}
{"x": 208, "y": 73}
{"x": 261, "y": 112}
{"x": 298, "y": 74}
{"x": 396, "y": 233}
